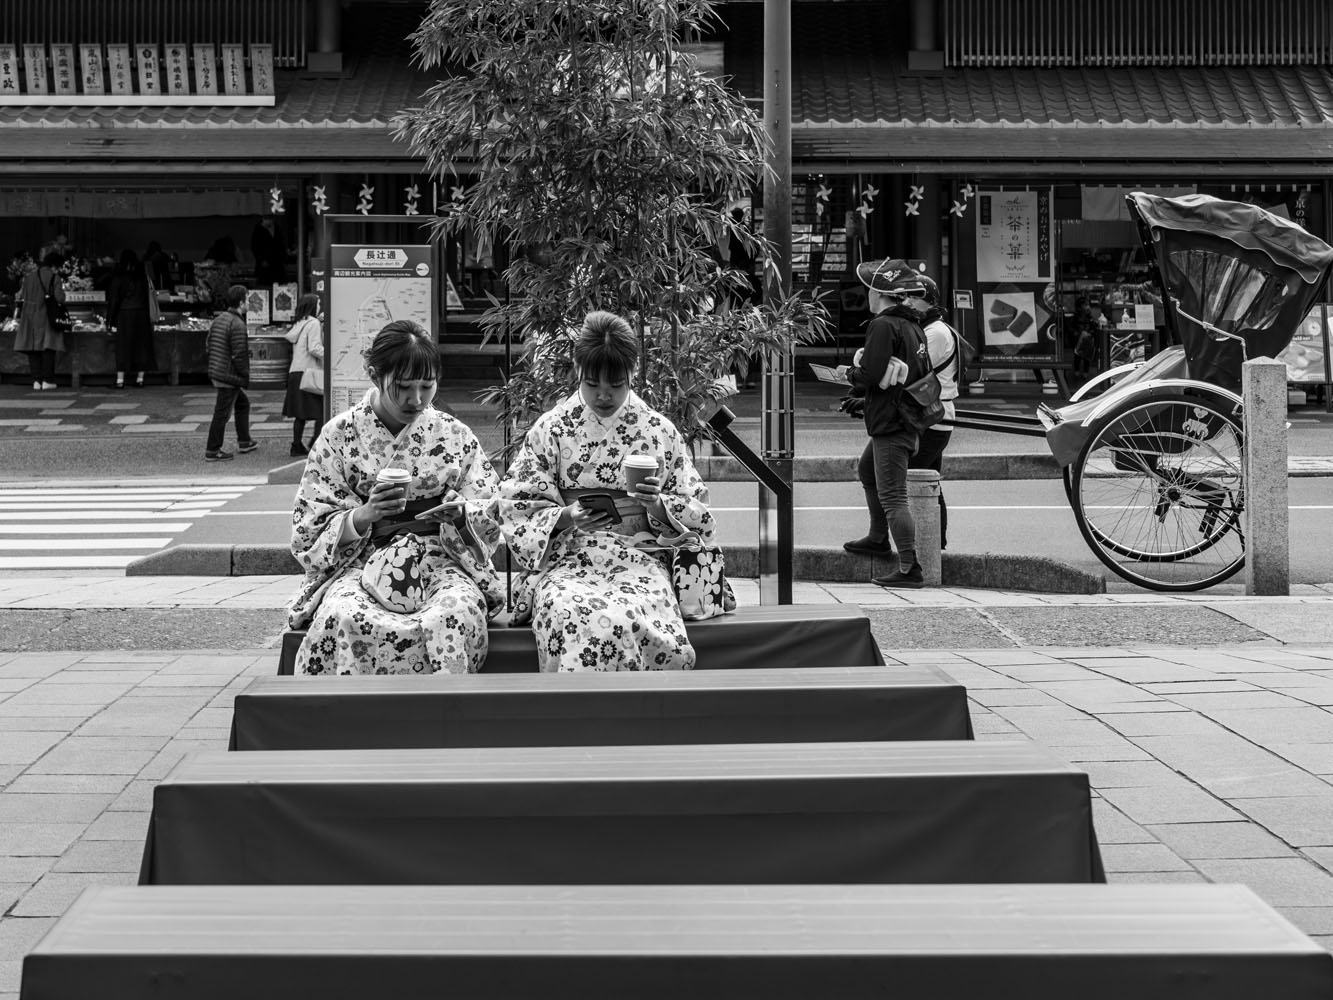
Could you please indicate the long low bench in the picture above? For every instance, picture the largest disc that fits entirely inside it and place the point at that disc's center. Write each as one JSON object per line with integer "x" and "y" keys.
{"x": 662, "y": 943}
{"x": 791, "y": 635}
{"x": 924, "y": 812}
{"x": 600, "y": 709}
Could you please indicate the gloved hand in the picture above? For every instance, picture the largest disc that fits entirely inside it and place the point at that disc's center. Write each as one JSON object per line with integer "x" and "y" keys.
{"x": 853, "y": 406}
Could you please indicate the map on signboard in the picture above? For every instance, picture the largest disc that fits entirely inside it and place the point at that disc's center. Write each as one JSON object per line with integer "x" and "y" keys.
{"x": 362, "y": 300}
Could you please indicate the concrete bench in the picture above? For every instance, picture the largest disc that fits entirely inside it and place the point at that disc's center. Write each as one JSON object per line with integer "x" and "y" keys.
{"x": 792, "y": 635}
{"x": 663, "y": 942}
{"x": 700, "y": 813}
{"x": 600, "y": 709}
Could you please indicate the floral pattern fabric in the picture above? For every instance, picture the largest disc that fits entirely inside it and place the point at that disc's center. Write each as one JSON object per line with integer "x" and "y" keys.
{"x": 601, "y": 600}
{"x": 441, "y": 625}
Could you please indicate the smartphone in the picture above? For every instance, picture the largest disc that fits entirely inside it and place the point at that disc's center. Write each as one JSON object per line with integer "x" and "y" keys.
{"x": 449, "y": 508}
{"x": 603, "y": 502}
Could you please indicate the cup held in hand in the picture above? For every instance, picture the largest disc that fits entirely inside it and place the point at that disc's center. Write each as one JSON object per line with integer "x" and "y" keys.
{"x": 638, "y": 468}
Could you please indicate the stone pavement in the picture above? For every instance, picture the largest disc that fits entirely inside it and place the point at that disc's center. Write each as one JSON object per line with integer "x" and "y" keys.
{"x": 1204, "y": 722}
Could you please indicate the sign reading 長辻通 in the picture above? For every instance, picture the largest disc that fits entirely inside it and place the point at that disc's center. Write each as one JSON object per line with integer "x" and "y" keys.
{"x": 369, "y": 287}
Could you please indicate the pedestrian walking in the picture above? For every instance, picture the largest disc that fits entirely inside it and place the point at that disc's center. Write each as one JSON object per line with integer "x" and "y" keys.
{"x": 229, "y": 371}
{"x": 948, "y": 360}
{"x": 38, "y": 335}
{"x": 129, "y": 311}
{"x": 894, "y": 355}
{"x": 305, "y": 381}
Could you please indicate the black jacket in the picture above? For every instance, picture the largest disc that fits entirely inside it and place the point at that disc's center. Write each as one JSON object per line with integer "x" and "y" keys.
{"x": 893, "y": 333}
{"x": 229, "y": 350}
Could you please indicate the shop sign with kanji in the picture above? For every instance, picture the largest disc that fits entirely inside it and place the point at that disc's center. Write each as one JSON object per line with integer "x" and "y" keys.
{"x": 149, "y": 79}
{"x": 62, "y": 64}
{"x": 9, "y": 70}
{"x": 1014, "y": 235}
{"x": 178, "y": 69}
{"x": 91, "y": 58}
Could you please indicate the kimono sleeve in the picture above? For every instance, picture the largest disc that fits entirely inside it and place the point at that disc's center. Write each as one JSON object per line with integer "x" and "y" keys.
{"x": 684, "y": 494}
{"x": 529, "y": 502}
{"x": 478, "y": 536}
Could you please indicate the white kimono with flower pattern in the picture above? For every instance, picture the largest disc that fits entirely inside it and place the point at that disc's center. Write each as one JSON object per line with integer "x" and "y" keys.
{"x": 600, "y": 600}
{"x": 350, "y": 632}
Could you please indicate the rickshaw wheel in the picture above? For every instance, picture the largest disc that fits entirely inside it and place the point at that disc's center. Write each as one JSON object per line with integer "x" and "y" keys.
{"x": 1157, "y": 491}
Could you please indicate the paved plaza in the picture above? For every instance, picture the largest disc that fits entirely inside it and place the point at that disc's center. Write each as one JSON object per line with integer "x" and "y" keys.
{"x": 1211, "y": 757}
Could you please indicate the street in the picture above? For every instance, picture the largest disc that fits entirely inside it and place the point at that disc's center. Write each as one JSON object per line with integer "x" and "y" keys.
{"x": 69, "y": 527}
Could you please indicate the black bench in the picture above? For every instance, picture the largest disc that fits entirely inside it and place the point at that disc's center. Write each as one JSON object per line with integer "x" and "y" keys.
{"x": 600, "y": 709}
{"x": 662, "y": 943}
{"x": 792, "y": 635}
{"x": 701, "y": 813}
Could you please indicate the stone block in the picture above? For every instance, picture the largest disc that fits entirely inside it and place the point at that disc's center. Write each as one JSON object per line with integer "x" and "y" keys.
{"x": 923, "y": 500}
{"x": 184, "y": 560}
{"x": 263, "y": 560}
{"x": 1264, "y": 463}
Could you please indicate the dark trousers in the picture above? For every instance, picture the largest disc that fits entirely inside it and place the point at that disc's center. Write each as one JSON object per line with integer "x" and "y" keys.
{"x": 43, "y": 365}
{"x": 883, "y": 474}
{"x": 931, "y": 456}
{"x": 229, "y": 397}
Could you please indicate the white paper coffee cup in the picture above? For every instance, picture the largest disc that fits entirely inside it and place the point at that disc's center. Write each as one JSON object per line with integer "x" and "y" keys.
{"x": 394, "y": 477}
{"x": 638, "y": 468}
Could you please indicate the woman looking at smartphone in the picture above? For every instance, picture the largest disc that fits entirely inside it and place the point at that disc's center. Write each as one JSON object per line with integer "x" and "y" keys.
{"x": 391, "y": 524}
{"x": 598, "y": 591}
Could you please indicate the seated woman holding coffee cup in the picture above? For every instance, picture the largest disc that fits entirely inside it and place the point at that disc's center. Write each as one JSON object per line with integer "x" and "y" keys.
{"x": 393, "y": 527}
{"x": 601, "y": 488}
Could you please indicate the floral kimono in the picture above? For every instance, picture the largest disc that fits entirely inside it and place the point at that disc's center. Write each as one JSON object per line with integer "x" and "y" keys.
{"x": 601, "y": 600}
{"x": 409, "y": 597}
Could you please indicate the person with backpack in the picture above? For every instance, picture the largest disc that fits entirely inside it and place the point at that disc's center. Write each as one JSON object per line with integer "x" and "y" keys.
{"x": 40, "y": 336}
{"x": 894, "y": 355}
{"x": 949, "y": 357}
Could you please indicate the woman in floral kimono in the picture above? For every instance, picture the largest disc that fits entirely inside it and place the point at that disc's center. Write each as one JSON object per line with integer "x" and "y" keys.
{"x": 398, "y": 580}
{"x": 599, "y": 593}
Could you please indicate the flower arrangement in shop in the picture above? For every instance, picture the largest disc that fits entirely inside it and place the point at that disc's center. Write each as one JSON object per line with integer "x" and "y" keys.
{"x": 77, "y": 274}
{"x": 19, "y": 266}
{"x": 608, "y": 158}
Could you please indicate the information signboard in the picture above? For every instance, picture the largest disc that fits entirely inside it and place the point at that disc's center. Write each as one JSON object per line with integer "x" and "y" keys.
{"x": 368, "y": 287}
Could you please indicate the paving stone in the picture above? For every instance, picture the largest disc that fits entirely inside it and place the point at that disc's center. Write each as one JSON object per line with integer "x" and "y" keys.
{"x": 1127, "y": 774}
{"x": 1278, "y": 881}
{"x": 1155, "y": 878}
{"x": 52, "y": 896}
{"x": 119, "y": 826}
{"x": 1200, "y": 687}
{"x": 1220, "y": 840}
{"x": 1108, "y": 752}
{"x": 18, "y": 807}
{"x": 137, "y": 797}
{"x": 990, "y": 725}
{"x": 87, "y": 693}
{"x": 117, "y": 675}
{"x": 1234, "y": 699}
{"x": 23, "y": 870}
{"x": 26, "y": 840}
{"x": 61, "y": 724}
{"x": 1302, "y": 821}
{"x": 1114, "y": 827}
{"x": 1009, "y": 696}
{"x": 1044, "y": 673}
{"x": 1171, "y": 802}
{"x": 1273, "y": 725}
{"x": 10, "y": 893}
{"x": 69, "y": 783}
{"x": 25, "y": 747}
{"x": 18, "y": 936}
{"x": 1152, "y": 671}
{"x": 1142, "y": 858}
{"x": 1096, "y": 692}
{"x": 101, "y": 856}
{"x": 1135, "y": 708}
{"x": 1310, "y": 919}
{"x": 63, "y": 761}
{"x": 1322, "y": 856}
{"x": 1162, "y": 724}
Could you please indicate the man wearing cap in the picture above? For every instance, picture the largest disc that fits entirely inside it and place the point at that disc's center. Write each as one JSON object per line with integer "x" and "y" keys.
{"x": 894, "y": 355}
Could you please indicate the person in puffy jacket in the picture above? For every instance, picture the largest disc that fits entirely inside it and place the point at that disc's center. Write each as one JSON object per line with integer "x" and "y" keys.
{"x": 894, "y": 355}
{"x": 229, "y": 371}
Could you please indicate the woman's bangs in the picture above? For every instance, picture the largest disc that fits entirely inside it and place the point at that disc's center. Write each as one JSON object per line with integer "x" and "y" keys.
{"x": 420, "y": 363}
{"x": 603, "y": 362}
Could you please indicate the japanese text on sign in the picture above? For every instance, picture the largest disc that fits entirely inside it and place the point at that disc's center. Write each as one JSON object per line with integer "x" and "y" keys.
{"x": 1014, "y": 236}
{"x": 149, "y": 82}
{"x": 9, "y": 70}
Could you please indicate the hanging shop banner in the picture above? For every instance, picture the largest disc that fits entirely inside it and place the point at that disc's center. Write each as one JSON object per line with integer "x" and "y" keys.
{"x": 1014, "y": 235}
{"x": 370, "y": 286}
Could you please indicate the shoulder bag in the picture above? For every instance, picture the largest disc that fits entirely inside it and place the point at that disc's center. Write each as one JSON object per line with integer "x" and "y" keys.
{"x": 312, "y": 379}
{"x": 919, "y": 404}
{"x": 56, "y": 313}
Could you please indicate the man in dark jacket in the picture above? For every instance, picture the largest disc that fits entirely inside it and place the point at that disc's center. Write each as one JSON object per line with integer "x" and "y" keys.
{"x": 229, "y": 371}
{"x": 893, "y": 356}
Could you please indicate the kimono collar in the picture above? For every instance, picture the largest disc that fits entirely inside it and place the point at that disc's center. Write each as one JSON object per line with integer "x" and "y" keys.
{"x": 367, "y": 406}
{"x": 632, "y": 400}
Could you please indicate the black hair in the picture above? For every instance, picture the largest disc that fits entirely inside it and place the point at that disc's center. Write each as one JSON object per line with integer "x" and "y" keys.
{"x": 307, "y": 306}
{"x": 52, "y": 259}
{"x": 403, "y": 350}
{"x": 606, "y": 348}
{"x": 235, "y": 296}
{"x": 129, "y": 262}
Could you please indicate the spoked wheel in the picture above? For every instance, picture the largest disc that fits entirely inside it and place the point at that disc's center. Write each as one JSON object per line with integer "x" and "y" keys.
{"x": 1157, "y": 492}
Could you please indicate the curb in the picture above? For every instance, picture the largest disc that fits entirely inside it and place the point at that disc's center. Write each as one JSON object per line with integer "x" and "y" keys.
{"x": 842, "y": 469}
{"x": 980, "y": 571}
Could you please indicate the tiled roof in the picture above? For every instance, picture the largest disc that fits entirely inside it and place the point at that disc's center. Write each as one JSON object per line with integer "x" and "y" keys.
{"x": 845, "y": 70}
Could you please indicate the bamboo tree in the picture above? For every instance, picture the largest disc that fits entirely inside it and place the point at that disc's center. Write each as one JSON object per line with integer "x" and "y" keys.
{"x": 591, "y": 137}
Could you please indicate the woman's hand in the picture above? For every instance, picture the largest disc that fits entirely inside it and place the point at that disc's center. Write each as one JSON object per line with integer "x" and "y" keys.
{"x": 581, "y": 518}
{"x": 649, "y": 493}
{"x": 450, "y": 511}
{"x": 386, "y": 500}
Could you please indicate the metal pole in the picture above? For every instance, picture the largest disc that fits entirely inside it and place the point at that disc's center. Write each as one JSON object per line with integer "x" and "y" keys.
{"x": 778, "y": 428}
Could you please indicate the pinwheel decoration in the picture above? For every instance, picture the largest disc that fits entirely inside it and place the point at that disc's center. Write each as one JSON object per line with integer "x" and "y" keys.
{"x": 413, "y": 194}
{"x": 319, "y": 201}
{"x": 366, "y": 198}
{"x": 868, "y": 195}
{"x": 276, "y": 205}
{"x": 917, "y": 193}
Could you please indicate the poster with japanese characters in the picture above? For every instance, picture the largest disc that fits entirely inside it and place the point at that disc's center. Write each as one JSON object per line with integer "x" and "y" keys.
{"x": 90, "y": 58}
{"x": 233, "y": 69}
{"x": 178, "y": 69}
{"x": 150, "y": 76}
{"x": 34, "y": 68}
{"x": 62, "y": 68}
{"x": 1014, "y": 235}
{"x": 118, "y": 69}
{"x": 205, "y": 69}
{"x": 261, "y": 69}
{"x": 9, "y": 71}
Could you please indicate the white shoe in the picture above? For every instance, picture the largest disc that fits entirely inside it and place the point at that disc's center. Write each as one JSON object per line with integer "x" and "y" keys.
{"x": 37, "y": 386}
{"x": 49, "y": 385}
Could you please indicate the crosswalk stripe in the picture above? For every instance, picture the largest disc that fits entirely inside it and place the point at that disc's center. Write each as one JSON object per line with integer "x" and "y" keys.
{"x": 129, "y": 527}
{"x": 7, "y": 506}
{"x": 67, "y": 562}
{"x": 35, "y": 544}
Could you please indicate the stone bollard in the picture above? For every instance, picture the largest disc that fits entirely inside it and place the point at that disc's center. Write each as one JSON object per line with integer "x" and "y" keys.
{"x": 923, "y": 499}
{"x": 1264, "y": 472}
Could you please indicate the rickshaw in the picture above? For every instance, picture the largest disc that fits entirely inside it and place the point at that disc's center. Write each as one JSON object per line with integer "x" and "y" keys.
{"x": 1152, "y": 451}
